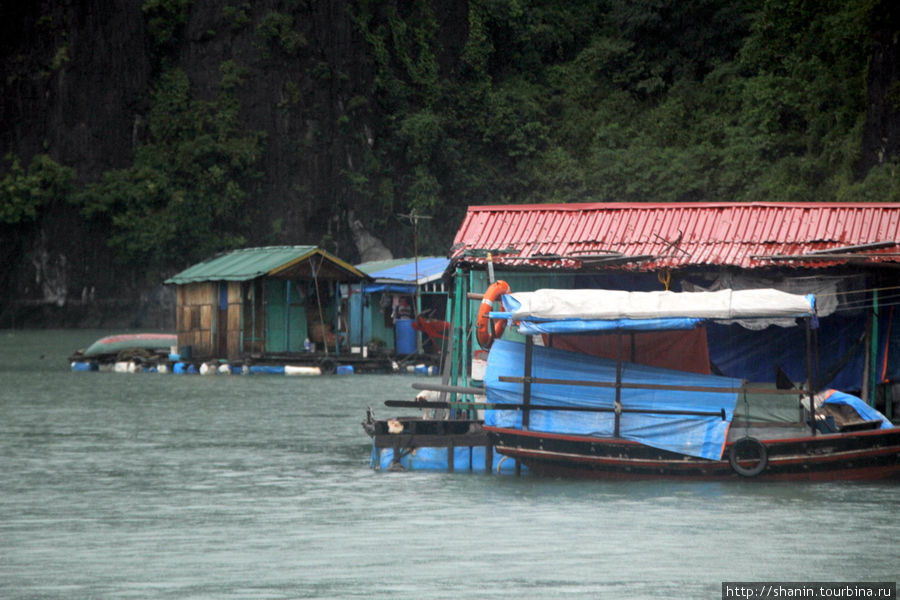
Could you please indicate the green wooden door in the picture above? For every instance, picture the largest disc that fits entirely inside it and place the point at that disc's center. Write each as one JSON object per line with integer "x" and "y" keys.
{"x": 285, "y": 316}
{"x": 276, "y": 313}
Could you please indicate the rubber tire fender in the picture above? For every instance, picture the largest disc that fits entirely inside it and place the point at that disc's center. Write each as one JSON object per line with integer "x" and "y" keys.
{"x": 756, "y": 469}
{"x": 328, "y": 365}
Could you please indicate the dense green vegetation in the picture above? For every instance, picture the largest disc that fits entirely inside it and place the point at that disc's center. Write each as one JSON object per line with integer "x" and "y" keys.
{"x": 699, "y": 100}
{"x": 527, "y": 101}
{"x": 187, "y": 191}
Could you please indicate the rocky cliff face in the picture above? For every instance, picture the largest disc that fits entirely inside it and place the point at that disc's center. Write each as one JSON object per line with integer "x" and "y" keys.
{"x": 77, "y": 83}
{"x": 74, "y": 86}
{"x": 881, "y": 135}
{"x": 78, "y": 80}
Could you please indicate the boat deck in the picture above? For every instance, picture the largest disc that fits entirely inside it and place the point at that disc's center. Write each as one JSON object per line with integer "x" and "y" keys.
{"x": 768, "y": 432}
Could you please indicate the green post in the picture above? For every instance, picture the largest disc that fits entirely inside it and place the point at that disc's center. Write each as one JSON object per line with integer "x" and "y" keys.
{"x": 459, "y": 296}
{"x": 873, "y": 369}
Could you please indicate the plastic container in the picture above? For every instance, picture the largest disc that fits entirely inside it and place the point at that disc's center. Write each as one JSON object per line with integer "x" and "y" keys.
{"x": 295, "y": 370}
{"x": 479, "y": 364}
{"x": 406, "y": 337}
{"x": 267, "y": 370}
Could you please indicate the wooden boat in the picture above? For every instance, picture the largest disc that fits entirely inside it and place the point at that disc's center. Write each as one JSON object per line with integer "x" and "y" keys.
{"x": 568, "y": 413}
{"x": 128, "y": 345}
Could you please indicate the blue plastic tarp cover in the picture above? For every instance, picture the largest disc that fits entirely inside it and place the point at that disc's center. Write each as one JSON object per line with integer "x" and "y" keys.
{"x": 702, "y": 436}
{"x": 424, "y": 270}
{"x": 865, "y": 412}
{"x": 581, "y": 326}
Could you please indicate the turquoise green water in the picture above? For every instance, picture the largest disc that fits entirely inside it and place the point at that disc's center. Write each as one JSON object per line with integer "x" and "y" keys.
{"x": 176, "y": 486}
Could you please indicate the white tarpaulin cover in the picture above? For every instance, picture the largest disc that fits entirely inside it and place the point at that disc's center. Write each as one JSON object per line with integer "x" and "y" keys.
{"x": 552, "y": 304}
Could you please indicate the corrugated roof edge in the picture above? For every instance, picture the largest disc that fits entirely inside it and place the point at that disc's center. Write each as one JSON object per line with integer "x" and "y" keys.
{"x": 645, "y": 205}
{"x": 341, "y": 263}
{"x": 636, "y": 235}
{"x": 303, "y": 252}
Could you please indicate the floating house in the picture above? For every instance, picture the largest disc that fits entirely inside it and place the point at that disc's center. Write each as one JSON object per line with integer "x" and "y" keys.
{"x": 279, "y": 303}
{"x": 845, "y": 253}
{"x": 404, "y": 307}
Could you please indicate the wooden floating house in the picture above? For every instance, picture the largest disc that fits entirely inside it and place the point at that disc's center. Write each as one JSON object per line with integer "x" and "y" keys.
{"x": 845, "y": 253}
{"x": 414, "y": 285}
{"x": 280, "y": 305}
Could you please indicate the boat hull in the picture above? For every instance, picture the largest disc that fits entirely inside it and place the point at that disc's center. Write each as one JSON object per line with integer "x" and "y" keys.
{"x": 867, "y": 455}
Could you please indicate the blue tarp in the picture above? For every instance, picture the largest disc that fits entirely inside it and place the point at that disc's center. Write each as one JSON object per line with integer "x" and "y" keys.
{"x": 753, "y": 355}
{"x": 427, "y": 269}
{"x": 700, "y": 436}
{"x": 582, "y": 326}
{"x": 392, "y": 288}
{"x": 465, "y": 458}
{"x": 865, "y": 412}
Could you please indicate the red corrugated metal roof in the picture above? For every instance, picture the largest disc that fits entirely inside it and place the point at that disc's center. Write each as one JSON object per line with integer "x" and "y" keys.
{"x": 646, "y": 237}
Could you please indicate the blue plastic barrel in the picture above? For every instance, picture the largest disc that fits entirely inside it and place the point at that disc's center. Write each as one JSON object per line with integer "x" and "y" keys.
{"x": 406, "y": 337}
{"x": 267, "y": 369}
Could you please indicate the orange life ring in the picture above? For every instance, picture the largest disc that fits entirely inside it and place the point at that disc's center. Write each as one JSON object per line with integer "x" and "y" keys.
{"x": 482, "y": 326}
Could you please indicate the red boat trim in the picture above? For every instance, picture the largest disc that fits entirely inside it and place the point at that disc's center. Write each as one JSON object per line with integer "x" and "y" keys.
{"x": 581, "y": 458}
{"x": 834, "y": 456}
{"x": 560, "y": 436}
{"x": 606, "y": 440}
{"x": 127, "y": 337}
{"x": 711, "y": 470}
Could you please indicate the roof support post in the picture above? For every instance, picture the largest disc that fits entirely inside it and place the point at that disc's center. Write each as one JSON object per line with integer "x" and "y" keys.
{"x": 253, "y": 336}
{"x": 526, "y": 383}
{"x": 460, "y": 300}
{"x": 811, "y": 390}
{"x": 873, "y": 368}
{"x": 617, "y": 406}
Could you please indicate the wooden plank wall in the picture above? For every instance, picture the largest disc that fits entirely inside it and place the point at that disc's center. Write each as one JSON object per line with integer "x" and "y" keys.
{"x": 234, "y": 320}
{"x": 254, "y": 339}
{"x": 194, "y": 316}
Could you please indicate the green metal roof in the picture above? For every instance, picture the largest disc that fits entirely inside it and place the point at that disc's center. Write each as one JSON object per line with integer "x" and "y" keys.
{"x": 250, "y": 263}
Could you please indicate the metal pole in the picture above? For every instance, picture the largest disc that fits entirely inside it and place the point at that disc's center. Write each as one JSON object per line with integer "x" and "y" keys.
{"x": 457, "y": 323}
{"x": 526, "y": 384}
{"x": 618, "y": 403}
{"x": 287, "y": 315}
{"x": 253, "y": 337}
{"x": 809, "y": 379}
{"x": 418, "y": 309}
{"x": 873, "y": 369}
{"x": 526, "y": 391}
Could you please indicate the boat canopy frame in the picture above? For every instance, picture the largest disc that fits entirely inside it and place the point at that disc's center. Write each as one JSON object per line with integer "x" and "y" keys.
{"x": 616, "y": 312}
